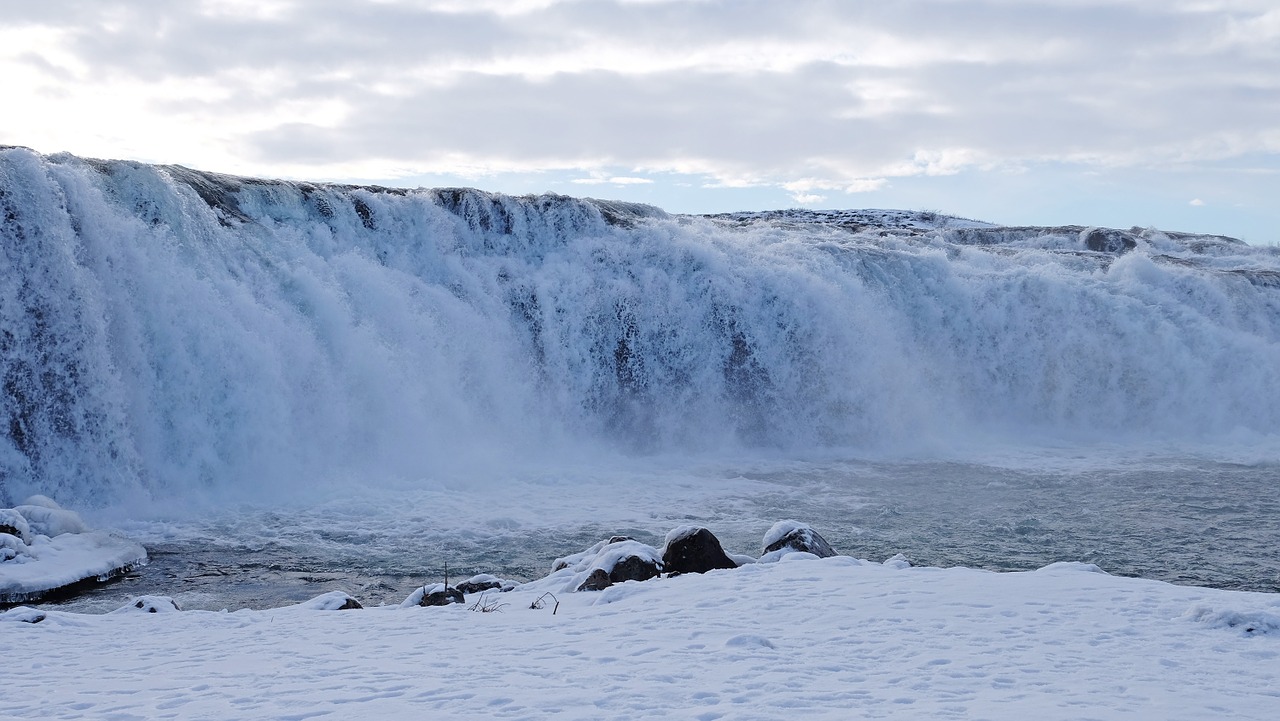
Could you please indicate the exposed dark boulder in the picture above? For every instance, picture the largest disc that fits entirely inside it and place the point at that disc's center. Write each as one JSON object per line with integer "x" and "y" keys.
{"x": 484, "y": 582}
{"x": 634, "y": 568}
{"x": 692, "y": 549}
{"x": 597, "y": 581}
{"x": 1108, "y": 240}
{"x": 441, "y": 596}
{"x": 469, "y": 587}
{"x": 797, "y": 537}
{"x": 620, "y": 569}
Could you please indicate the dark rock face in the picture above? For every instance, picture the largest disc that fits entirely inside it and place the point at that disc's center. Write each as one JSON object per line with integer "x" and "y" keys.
{"x": 633, "y": 568}
{"x": 597, "y": 581}
{"x": 349, "y": 605}
{"x": 803, "y": 539}
{"x": 1108, "y": 240}
{"x": 698, "y": 551}
{"x": 442, "y": 598}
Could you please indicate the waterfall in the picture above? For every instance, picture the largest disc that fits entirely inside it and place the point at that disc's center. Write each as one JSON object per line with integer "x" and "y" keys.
{"x": 165, "y": 331}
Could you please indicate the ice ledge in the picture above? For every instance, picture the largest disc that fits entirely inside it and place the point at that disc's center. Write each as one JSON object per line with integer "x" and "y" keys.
{"x": 65, "y": 563}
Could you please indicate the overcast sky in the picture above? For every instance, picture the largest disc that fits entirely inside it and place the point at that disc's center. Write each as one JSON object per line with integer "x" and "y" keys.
{"x": 1158, "y": 113}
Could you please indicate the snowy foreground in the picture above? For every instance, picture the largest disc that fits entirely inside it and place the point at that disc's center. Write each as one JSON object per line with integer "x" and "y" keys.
{"x": 836, "y": 638}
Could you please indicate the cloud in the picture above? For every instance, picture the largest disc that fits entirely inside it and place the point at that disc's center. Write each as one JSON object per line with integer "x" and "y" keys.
{"x": 1196, "y": 202}
{"x": 835, "y": 96}
{"x": 807, "y": 198}
{"x": 615, "y": 180}
{"x": 866, "y": 185}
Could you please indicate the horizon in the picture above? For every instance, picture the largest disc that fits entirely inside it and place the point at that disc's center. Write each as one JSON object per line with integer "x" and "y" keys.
{"x": 1124, "y": 114}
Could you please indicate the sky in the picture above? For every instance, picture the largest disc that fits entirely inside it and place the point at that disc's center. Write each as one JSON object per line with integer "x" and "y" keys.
{"x": 1151, "y": 113}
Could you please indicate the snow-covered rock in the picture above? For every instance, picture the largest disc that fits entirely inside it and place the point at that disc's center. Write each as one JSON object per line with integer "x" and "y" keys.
{"x": 52, "y": 521}
{"x": 15, "y": 524}
{"x": 484, "y": 582}
{"x": 149, "y": 604}
{"x": 437, "y": 594}
{"x": 45, "y": 549}
{"x": 23, "y": 614}
{"x": 46, "y": 517}
{"x": 791, "y": 536}
{"x": 331, "y": 601}
{"x": 616, "y": 560}
{"x": 898, "y": 560}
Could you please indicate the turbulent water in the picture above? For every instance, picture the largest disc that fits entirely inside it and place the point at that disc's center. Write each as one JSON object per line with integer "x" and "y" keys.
{"x": 170, "y": 337}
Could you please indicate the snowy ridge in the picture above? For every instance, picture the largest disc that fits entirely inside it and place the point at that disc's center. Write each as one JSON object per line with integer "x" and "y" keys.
{"x": 169, "y": 333}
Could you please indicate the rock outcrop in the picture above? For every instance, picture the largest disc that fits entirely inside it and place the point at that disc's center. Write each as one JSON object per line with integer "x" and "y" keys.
{"x": 693, "y": 549}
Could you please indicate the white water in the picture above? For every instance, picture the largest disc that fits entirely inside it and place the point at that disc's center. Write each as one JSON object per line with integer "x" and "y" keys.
{"x": 166, "y": 334}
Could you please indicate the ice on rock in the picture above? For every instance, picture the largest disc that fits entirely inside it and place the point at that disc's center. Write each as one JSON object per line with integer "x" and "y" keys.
{"x": 45, "y": 549}
{"x": 52, "y": 522}
{"x": 13, "y": 549}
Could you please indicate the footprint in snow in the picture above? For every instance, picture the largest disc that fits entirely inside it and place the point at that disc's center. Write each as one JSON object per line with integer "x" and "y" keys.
{"x": 748, "y": 640}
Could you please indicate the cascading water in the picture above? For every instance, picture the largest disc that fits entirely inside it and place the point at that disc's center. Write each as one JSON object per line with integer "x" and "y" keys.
{"x": 165, "y": 332}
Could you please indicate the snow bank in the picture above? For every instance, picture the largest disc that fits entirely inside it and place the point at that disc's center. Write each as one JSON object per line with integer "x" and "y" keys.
{"x": 54, "y": 550}
{"x": 835, "y": 638}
